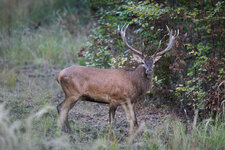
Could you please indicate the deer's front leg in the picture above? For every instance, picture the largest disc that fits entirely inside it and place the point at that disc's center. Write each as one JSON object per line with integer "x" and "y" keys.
{"x": 131, "y": 115}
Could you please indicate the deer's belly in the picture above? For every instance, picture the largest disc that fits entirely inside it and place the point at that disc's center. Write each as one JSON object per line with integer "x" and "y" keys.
{"x": 98, "y": 98}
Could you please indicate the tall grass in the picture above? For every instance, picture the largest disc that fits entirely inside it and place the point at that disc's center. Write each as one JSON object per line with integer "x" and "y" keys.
{"x": 24, "y": 134}
{"x": 29, "y": 13}
{"x": 45, "y": 31}
{"x": 174, "y": 135}
{"x": 53, "y": 45}
{"x": 20, "y": 135}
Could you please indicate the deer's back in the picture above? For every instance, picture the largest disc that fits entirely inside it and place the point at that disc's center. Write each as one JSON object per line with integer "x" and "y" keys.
{"x": 96, "y": 83}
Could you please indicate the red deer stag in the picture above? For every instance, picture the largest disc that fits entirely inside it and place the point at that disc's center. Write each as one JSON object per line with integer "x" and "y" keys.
{"x": 111, "y": 86}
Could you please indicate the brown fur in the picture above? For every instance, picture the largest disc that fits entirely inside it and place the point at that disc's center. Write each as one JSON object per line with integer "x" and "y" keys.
{"x": 112, "y": 86}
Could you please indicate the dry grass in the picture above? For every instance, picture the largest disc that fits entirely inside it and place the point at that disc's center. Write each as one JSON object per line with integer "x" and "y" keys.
{"x": 19, "y": 134}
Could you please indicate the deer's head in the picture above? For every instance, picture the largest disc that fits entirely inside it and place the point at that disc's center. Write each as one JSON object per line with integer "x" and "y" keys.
{"x": 149, "y": 61}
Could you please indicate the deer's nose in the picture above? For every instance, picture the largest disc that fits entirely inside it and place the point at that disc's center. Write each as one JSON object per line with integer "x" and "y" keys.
{"x": 148, "y": 71}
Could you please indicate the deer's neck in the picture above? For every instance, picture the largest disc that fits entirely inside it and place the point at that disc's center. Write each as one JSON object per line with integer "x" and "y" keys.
{"x": 142, "y": 83}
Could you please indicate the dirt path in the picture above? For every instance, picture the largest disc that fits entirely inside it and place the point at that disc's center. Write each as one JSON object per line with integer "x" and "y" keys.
{"x": 96, "y": 115}
{"x": 92, "y": 120}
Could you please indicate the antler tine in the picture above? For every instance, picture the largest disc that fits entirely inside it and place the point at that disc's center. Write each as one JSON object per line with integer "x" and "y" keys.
{"x": 158, "y": 47}
{"x": 168, "y": 28}
{"x": 177, "y": 33}
{"x": 126, "y": 26}
{"x": 123, "y": 32}
{"x": 171, "y": 40}
{"x": 123, "y": 36}
{"x": 143, "y": 47}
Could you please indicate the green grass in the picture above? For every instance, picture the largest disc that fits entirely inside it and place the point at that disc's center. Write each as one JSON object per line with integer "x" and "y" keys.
{"x": 30, "y": 13}
{"x": 43, "y": 32}
{"x": 175, "y": 136}
{"x": 53, "y": 45}
{"x": 8, "y": 77}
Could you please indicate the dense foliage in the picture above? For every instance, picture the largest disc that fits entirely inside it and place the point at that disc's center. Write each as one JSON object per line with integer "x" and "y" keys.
{"x": 194, "y": 67}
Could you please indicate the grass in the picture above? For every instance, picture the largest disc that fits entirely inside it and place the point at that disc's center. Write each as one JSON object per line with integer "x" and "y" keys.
{"x": 54, "y": 45}
{"x": 8, "y": 77}
{"x": 44, "y": 12}
{"x": 42, "y": 32}
{"x": 38, "y": 131}
{"x": 20, "y": 134}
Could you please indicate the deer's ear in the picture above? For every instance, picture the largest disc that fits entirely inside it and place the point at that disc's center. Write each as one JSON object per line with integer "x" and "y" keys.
{"x": 156, "y": 58}
{"x": 138, "y": 58}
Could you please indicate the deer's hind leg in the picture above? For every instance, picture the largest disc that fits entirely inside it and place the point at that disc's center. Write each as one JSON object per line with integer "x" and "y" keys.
{"x": 112, "y": 112}
{"x": 63, "y": 109}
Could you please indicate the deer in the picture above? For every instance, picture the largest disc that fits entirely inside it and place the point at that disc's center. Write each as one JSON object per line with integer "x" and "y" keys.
{"x": 114, "y": 87}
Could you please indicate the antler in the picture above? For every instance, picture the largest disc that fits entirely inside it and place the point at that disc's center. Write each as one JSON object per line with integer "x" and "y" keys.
{"x": 171, "y": 41}
{"x": 123, "y": 35}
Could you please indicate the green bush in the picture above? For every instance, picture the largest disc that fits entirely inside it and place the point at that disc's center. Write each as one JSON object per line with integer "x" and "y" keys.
{"x": 194, "y": 65}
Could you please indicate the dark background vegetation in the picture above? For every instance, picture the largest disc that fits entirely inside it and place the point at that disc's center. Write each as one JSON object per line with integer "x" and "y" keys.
{"x": 192, "y": 74}
{"x": 38, "y": 38}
